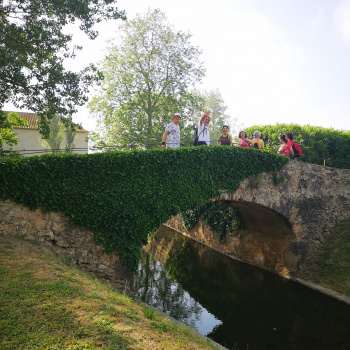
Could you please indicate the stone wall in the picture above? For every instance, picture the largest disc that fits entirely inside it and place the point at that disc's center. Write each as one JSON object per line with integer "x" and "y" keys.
{"x": 286, "y": 223}
{"x": 54, "y": 231}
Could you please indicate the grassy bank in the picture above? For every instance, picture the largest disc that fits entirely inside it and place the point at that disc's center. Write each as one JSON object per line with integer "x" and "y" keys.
{"x": 331, "y": 266}
{"x": 48, "y": 304}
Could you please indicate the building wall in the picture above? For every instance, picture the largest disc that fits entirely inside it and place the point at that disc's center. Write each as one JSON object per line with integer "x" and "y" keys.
{"x": 29, "y": 145}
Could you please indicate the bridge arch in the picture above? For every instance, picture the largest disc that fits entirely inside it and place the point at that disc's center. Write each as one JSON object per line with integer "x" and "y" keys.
{"x": 286, "y": 215}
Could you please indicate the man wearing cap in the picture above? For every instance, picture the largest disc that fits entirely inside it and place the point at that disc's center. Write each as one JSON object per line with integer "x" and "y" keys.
{"x": 257, "y": 142}
{"x": 172, "y": 133}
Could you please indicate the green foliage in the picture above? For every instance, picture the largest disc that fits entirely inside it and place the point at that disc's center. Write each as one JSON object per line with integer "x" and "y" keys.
{"x": 70, "y": 136}
{"x": 277, "y": 179}
{"x": 148, "y": 75}
{"x": 316, "y": 143}
{"x": 34, "y": 47}
{"x": 53, "y": 142}
{"x": 220, "y": 216}
{"x": 123, "y": 196}
{"x": 7, "y": 123}
{"x": 330, "y": 266}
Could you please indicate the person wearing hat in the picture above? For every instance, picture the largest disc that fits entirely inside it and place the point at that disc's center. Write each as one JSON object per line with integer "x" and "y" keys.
{"x": 257, "y": 142}
{"x": 171, "y": 134}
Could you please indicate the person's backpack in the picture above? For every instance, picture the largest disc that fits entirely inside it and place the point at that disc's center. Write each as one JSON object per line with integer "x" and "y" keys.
{"x": 297, "y": 150}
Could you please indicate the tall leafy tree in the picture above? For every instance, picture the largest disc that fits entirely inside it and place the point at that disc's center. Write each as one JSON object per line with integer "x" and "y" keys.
{"x": 54, "y": 141}
{"x": 149, "y": 73}
{"x": 70, "y": 136}
{"x": 33, "y": 48}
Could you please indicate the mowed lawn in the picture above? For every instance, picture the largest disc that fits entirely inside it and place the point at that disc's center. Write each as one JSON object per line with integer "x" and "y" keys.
{"x": 47, "y": 304}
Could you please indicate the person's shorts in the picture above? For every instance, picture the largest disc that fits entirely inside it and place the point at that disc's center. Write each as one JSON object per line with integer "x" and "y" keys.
{"x": 201, "y": 143}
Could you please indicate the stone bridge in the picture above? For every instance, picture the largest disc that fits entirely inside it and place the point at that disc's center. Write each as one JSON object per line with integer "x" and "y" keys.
{"x": 286, "y": 217}
{"x": 284, "y": 223}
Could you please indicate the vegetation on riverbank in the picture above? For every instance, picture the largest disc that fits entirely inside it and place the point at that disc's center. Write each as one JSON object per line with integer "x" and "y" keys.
{"x": 330, "y": 268}
{"x": 48, "y": 304}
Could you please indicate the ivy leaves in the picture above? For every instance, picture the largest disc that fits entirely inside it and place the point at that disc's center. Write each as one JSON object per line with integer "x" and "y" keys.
{"x": 123, "y": 196}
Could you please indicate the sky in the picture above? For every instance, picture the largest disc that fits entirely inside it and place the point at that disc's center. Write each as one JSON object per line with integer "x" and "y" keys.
{"x": 274, "y": 61}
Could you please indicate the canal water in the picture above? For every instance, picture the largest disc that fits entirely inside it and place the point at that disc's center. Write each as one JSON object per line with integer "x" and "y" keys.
{"x": 237, "y": 305}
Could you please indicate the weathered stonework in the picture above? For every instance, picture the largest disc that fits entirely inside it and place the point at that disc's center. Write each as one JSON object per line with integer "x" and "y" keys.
{"x": 284, "y": 224}
{"x": 54, "y": 231}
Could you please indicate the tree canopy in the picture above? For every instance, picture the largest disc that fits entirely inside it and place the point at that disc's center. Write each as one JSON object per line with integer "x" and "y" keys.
{"x": 33, "y": 48}
{"x": 149, "y": 74}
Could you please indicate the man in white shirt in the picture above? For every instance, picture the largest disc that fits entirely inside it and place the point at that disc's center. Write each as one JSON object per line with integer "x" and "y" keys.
{"x": 203, "y": 130}
{"x": 172, "y": 133}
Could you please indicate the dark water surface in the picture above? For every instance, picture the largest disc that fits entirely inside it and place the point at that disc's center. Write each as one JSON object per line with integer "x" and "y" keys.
{"x": 238, "y": 306}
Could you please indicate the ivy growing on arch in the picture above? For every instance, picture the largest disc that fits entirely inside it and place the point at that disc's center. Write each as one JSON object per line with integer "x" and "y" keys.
{"x": 220, "y": 216}
{"x": 124, "y": 196}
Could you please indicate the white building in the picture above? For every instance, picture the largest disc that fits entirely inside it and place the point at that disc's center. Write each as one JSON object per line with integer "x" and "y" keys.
{"x": 28, "y": 138}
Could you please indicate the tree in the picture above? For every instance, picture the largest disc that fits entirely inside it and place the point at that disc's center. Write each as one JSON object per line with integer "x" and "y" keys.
{"x": 148, "y": 75}
{"x": 54, "y": 141}
{"x": 33, "y": 48}
{"x": 70, "y": 136}
{"x": 7, "y": 123}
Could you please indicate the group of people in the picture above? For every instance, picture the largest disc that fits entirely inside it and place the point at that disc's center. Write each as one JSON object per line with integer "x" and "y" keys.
{"x": 171, "y": 137}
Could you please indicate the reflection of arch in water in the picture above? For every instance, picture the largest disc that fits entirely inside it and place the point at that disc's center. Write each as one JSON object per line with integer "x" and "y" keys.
{"x": 265, "y": 240}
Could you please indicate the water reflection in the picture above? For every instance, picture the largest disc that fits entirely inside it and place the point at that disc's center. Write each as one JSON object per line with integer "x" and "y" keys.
{"x": 154, "y": 287}
{"x": 237, "y": 305}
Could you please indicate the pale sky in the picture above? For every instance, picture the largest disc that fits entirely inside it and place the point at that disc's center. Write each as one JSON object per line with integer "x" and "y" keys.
{"x": 274, "y": 61}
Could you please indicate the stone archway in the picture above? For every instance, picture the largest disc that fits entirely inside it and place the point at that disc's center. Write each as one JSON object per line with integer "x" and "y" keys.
{"x": 266, "y": 239}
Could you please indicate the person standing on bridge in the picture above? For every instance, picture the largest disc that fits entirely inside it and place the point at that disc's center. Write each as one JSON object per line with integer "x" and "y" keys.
{"x": 257, "y": 142}
{"x": 225, "y": 138}
{"x": 172, "y": 133}
{"x": 245, "y": 142}
{"x": 289, "y": 151}
{"x": 203, "y": 130}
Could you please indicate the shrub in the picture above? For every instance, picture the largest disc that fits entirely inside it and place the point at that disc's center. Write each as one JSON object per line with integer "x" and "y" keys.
{"x": 317, "y": 143}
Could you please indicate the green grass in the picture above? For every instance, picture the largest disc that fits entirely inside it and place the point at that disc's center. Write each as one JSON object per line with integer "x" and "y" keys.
{"x": 331, "y": 266}
{"x": 48, "y": 304}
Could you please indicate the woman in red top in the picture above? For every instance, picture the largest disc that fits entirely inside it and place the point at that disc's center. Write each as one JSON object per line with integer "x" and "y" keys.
{"x": 288, "y": 151}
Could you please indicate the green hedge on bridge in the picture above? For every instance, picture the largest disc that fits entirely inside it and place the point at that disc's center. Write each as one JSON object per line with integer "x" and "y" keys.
{"x": 318, "y": 144}
{"x": 123, "y": 196}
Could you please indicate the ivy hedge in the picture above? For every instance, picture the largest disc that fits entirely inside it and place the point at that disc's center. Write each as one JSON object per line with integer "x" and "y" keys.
{"x": 124, "y": 196}
{"x": 317, "y": 143}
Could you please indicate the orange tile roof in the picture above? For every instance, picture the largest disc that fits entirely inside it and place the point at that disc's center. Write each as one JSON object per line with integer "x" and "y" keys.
{"x": 32, "y": 119}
